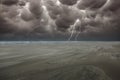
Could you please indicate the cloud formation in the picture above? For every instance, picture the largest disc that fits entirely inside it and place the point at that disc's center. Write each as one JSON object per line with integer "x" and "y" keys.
{"x": 60, "y": 18}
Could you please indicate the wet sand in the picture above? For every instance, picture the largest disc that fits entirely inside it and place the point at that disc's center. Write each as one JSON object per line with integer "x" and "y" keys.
{"x": 60, "y": 61}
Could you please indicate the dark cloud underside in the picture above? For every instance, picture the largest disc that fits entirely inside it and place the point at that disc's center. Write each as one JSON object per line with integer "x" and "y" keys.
{"x": 59, "y": 19}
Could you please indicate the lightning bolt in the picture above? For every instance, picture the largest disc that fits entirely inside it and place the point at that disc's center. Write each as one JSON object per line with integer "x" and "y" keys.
{"x": 108, "y": 3}
{"x": 73, "y": 29}
{"x": 78, "y": 32}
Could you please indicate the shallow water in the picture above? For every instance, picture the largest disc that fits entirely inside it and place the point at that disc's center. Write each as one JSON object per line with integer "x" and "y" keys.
{"x": 50, "y": 60}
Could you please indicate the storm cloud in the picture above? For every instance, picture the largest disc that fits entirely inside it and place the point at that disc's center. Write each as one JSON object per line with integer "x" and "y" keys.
{"x": 73, "y": 19}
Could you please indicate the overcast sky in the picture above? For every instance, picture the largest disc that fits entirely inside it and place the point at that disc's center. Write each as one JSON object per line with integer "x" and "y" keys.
{"x": 59, "y": 19}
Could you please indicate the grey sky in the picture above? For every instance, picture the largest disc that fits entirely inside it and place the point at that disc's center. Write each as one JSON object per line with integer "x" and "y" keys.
{"x": 96, "y": 19}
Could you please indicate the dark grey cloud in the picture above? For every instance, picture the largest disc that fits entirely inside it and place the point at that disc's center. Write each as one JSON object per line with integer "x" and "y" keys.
{"x": 9, "y": 2}
{"x": 4, "y": 26}
{"x": 36, "y": 8}
{"x": 70, "y": 2}
{"x": 67, "y": 17}
{"x": 91, "y": 4}
{"x": 60, "y": 18}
